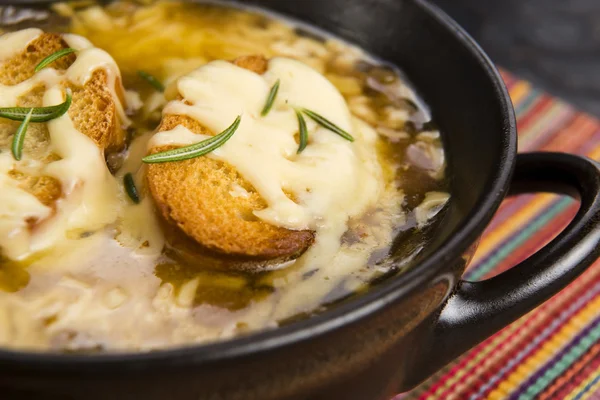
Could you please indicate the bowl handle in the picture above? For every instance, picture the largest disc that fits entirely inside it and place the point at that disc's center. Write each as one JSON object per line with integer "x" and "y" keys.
{"x": 479, "y": 309}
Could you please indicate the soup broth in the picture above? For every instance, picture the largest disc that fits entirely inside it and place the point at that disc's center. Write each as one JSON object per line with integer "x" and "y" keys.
{"x": 138, "y": 284}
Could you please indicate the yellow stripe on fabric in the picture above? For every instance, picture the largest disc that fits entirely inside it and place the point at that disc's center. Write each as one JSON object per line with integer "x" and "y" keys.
{"x": 566, "y": 141}
{"x": 426, "y": 386}
{"x": 519, "y": 91}
{"x": 473, "y": 370}
{"x": 517, "y": 333}
{"x": 551, "y": 124}
{"x": 545, "y": 122}
{"x": 492, "y": 239}
{"x": 593, "y": 393}
{"x": 482, "y": 355}
{"x": 495, "y": 354}
{"x": 595, "y": 153}
{"x": 582, "y": 387}
{"x": 590, "y": 391}
{"x": 547, "y": 351}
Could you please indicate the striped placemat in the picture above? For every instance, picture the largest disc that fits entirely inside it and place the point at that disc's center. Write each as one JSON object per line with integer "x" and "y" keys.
{"x": 554, "y": 351}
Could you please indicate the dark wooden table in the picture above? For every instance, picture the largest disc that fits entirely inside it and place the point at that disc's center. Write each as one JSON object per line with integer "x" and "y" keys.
{"x": 553, "y": 43}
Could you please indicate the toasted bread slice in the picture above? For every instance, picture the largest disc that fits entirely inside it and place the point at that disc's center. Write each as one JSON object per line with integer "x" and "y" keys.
{"x": 194, "y": 195}
{"x": 93, "y": 112}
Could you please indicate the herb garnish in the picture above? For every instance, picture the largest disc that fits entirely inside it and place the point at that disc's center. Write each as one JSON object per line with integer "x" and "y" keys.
{"x": 325, "y": 123}
{"x": 195, "y": 150}
{"x": 271, "y": 98}
{"x": 302, "y": 131}
{"x": 152, "y": 81}
{"x": 39, "y": 114}
{"x": 53, "y": 57}
{"x": 130, "y": 188}
{"x": 32, "y": 114}
{"x": 19, "y": 138}
{"x": 319, "y": 119}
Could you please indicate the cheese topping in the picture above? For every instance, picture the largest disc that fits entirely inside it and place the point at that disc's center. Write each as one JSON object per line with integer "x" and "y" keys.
{"x": 14, "y": 42}
{"x": 331, "y": 180}
{"x": 17, "y": 208}
{"x": 90, "y": 198}
{"x": 104, "y": 290}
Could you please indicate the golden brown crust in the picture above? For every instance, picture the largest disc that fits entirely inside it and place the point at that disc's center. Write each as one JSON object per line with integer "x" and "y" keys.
{"x": 45, "y": 188}
{"x": 93, "y": 112}
{"x": 195, "y": 196}
{"x": 22, "y": 66}
{"x": 257, "y": 64}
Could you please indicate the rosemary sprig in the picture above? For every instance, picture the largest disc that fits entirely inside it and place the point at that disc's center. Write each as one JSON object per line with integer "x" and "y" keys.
{"x": 271, "y": 98}
{"x": 302, "y": 131}
{"x": 154, "y": 82}
{"x": 39, "y": 114}
{"x": 53, "y": 57}
{"x": 130, "y": 188}
{"x": 195, "y": 150}
{"x": 325, "y": 123}
{"x": 19, "y": 138}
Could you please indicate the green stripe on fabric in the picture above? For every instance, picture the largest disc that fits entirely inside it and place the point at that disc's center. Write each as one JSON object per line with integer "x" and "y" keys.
{"x": 563, "y": 364}
{"x": 546, "y": 127}
{"x": 513, "y": 243}
{"x": 525, "y": 105}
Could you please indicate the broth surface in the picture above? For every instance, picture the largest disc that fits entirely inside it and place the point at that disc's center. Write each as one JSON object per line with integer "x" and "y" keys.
{"x": 139, "y": 285}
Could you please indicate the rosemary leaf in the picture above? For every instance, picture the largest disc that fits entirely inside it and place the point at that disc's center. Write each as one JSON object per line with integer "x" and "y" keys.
{"x": 152, "y": 81}
{"x": 271, "y": 98}
{"x": 39, "y": 114}
{"x": 53, "y": 57}
{"x": 19, "y": 138}
{"x": 130, "y": 188}
{"x": 325, "y": 123}
{"x": 195, "y": 150}
{"x": 303, "y": 131}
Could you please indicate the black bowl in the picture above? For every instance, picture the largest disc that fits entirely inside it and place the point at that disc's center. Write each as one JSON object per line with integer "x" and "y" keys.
{"x": 405, "y": 328}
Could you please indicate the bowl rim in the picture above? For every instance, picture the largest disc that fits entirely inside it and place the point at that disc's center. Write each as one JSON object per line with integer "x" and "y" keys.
{"x": 336, "y": 317}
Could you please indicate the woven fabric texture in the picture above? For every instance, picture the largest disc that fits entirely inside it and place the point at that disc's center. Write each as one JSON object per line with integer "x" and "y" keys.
{"x": 554, "y": 351}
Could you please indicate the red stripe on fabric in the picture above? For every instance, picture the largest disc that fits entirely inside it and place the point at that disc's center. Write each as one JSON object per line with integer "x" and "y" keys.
{"x": 557, "y": 311}
{"x": 537, "y": 240}
{"x": 565, "y": 140}
{"x": 564, "y": 130}
{"x": 590, "y": 369}
{"x": 510, "y": 85}
{"x": 574, "y": 376}
{"x": 507, "y": 77}
{"x": 507, "y": 208}
{"x": 591, "y": 144}
{"x": 468, "y": 358}
{"x": 561, "y": 122}
{"x": 543, "y": 103}
{"x": 548, "y": 307}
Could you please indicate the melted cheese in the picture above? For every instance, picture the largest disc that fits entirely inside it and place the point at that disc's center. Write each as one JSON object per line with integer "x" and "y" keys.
{"x": 332, "y": 179}
{"x": 17, "y": 208}
{"x": 90, "y": 59}
{"x": 90, "y": 198}
{"x": 13, "y": 43}
{"x": 102, "y": 290}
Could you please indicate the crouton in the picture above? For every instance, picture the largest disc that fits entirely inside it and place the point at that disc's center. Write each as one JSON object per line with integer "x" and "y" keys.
{"x": 93, "y": 112}
{"x": 194, "y": 195}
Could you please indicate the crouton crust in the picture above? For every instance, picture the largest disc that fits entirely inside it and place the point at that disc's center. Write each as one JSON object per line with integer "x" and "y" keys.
{"x": 194, "y": 195}
{"x": 93, "y": 111}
